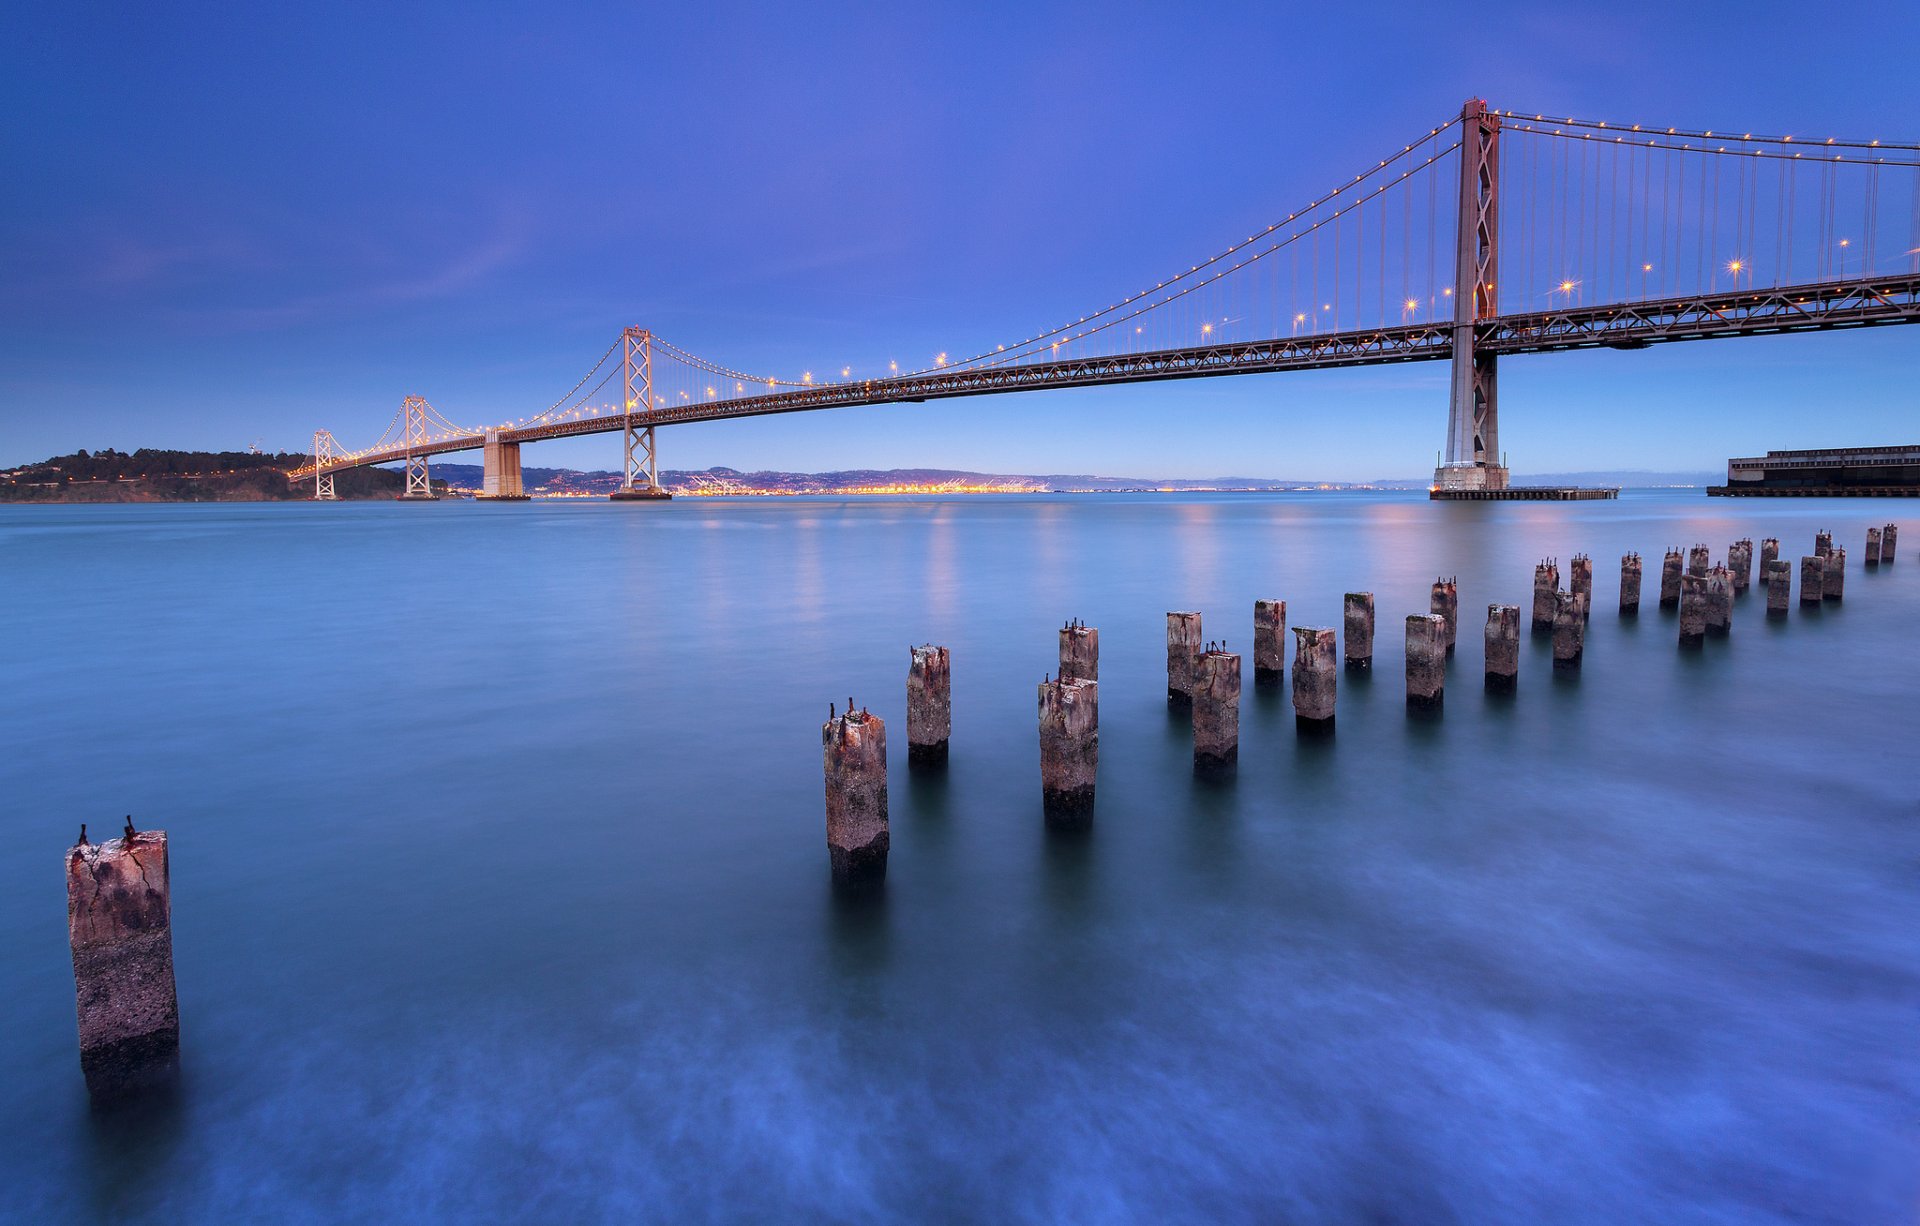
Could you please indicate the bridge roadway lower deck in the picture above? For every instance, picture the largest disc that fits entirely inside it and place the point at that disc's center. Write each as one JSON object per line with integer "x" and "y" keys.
{"x": 1820, "y": 306}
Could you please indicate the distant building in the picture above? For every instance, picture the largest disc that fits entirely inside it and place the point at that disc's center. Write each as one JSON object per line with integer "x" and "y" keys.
{"x": 1826, "y": 472}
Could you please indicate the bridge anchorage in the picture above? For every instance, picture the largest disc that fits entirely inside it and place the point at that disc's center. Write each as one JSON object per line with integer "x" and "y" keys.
{"x": 1493, "y": 235}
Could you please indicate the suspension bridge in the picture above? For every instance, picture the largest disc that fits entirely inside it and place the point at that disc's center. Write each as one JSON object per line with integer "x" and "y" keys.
{"x": 1495, "y": 234}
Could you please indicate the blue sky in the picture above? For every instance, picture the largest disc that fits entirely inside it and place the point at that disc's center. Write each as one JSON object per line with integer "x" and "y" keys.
{"x": 234, "y": 223}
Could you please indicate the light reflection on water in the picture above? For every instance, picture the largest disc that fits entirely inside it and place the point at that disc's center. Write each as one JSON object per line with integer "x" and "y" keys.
{"x": 500, "y": 890}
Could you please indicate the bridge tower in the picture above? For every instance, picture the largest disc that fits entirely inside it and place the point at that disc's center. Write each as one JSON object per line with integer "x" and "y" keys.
{"x": 414, "y": 433}
{"x": 1473, "y": 415}
{"x": 325, "y": 452}
{"x": 642, "y": 480}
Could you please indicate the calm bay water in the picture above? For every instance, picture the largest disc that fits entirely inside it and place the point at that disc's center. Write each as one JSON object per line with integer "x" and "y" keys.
{"x": 500, "y": 887}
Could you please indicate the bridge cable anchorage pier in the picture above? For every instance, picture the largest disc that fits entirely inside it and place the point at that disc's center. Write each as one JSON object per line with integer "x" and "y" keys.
{"x": 855, "y": 757}
{"x": 1079, "y": 652}
{"x": 500, "y": 474}
{"x": 1269, "y": 641}
{"x": 929, "y": 707}
{"x": 1069, "y": 751}
{"x": 641, "y": 482}
{"x": 120, "y": 925}
{"x": 1503, "y": 648}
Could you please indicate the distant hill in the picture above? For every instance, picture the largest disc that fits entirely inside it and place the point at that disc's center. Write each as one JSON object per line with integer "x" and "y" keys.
{"x": 181, "y": 476}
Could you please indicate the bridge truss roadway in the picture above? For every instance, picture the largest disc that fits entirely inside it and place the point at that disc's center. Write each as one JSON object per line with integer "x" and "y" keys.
{"x": 1814, "y": 307}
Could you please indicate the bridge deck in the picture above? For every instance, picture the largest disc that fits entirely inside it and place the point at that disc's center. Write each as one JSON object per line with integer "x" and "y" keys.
{"x": 1819, "y": 306}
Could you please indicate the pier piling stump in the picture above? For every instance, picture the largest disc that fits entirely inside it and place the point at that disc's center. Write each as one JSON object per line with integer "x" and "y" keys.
{"x": 1216, "y": 711}
{"x": 1546, "y": 589}
{"x": 120, "y": 927}
{"x": 1698, "y": 559}
{"x": 929, "y": 707}
{"x": 1833, "y": 576}
{"x": 1812, "y": 579}
{"x": 1069, "y": 750}
{"x": 1670, "y": 570}
{"x": 1446, "y": 603}
{"x": 1315, "y": 677}
{"x": 1693, "y": 610}
{"x": 1569, "y": 629}
{"x": 1769, "y": 552}
{"x": 1079, "y": 652}
{"x": 1503, "y": 647}
{"x": 1822, "y": 543}
{"x": 1183, "y": 657}
{"x": 1629, "y": 583}
{"x": 1779, "y": 577}
{"x": 1427, "y": 661}
{"x": 1359, "y": 624}
{"x": 1889, "y": 538}
{"x": 1740, "y": 564}
{"x": 855, "y": 757}
{"x": 1269, "y": 641}
{"x": 1873, "y": 547}
{"x": 1580, "y": 582}
{"x": 1719, "y": 601}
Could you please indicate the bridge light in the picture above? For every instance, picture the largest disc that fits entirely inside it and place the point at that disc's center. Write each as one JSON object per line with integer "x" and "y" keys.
{"x": 1205, "y": 329}
{"x": 1412, "y": 303}
{"x": 845, "y": 371}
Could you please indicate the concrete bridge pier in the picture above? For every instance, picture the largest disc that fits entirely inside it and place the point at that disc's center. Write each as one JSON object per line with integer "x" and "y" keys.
{"x": 1269, "y": 641}
{"x": 120, "y": 927}
{"x": 1079, "y": 652}
{"x": 500, "y": 481}
{"x": 1503, "y": 648}
{"x": 1315, "y": 678}
{"x": 1183, "y": 657}
{"x": 1779, "y": 577}
{"x": 1216, "y": 711}
{"x": 929, "y": 707}
{"x": 1629, "y": 584}
{"x": 1813, "y": 574}
{"x": 1359, "y": 627}
{"x": 1833, "y": 578}
{"x": 1445, "y": 602}
{"x": 855, "y": 758}
{"x": 1670, "y": 570}
{"x": 1069, "y": 751}
{"x": 1426, "y": 661}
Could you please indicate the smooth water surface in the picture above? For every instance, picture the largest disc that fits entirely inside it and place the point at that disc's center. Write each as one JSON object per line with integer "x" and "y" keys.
{"x": 500, "y": 887}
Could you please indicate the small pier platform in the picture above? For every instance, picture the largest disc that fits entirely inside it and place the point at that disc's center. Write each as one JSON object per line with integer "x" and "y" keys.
{"x": 1527, "y": 493}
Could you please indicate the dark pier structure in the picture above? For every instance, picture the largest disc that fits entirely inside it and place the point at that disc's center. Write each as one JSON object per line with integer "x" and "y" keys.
{"x": 1828, "y": 472}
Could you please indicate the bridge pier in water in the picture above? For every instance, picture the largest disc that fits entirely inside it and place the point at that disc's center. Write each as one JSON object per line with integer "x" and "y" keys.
{"x": 1472, "y": 460}
{"x": 500, "y": 479}
{"x": 642, "y": 482}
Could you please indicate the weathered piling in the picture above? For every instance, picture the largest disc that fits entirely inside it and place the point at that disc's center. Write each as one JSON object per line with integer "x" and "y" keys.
{"x": 1446, "y": 603}
{"x": 1693, "y": 610}
{"x": 1719, "y": 601}
{"x": 1779, "y": 578}
{"x": 1216, "y": 710}
{"x": 1069, "y": 750}
{"x": 1269, "y": 641}
{"x": 1546, "y": 590}
{"x": 1183, "y": 657}
{"x": 1359, "y": 639}
{"x": 1740, "y": 564}
{"x": 1769, "y": 552}
{"x": 1873, "y": 547}
{"x": 1580, "y": 582}
{"x": 855, "y": 758}
{"x": 1426, "y": 660}
{"x": 1314, "y": 679}
{"x": 1833, "y": 576}
{"x": 1812, "y": 579}
{"x": 1569, "y": 629}
{"x": 1822, "y": 543}
{"x": 929, "y": 707}
{"x": 120, "y": 925}
{"x": 1629, "y": 583}
{"x": 1889, "y": 538}
{"x": 1670, "y": 569}
{"x": 1503, "y": 647}
{"x": 1079, "y": 652}
{"x": 1698, "y": 559}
